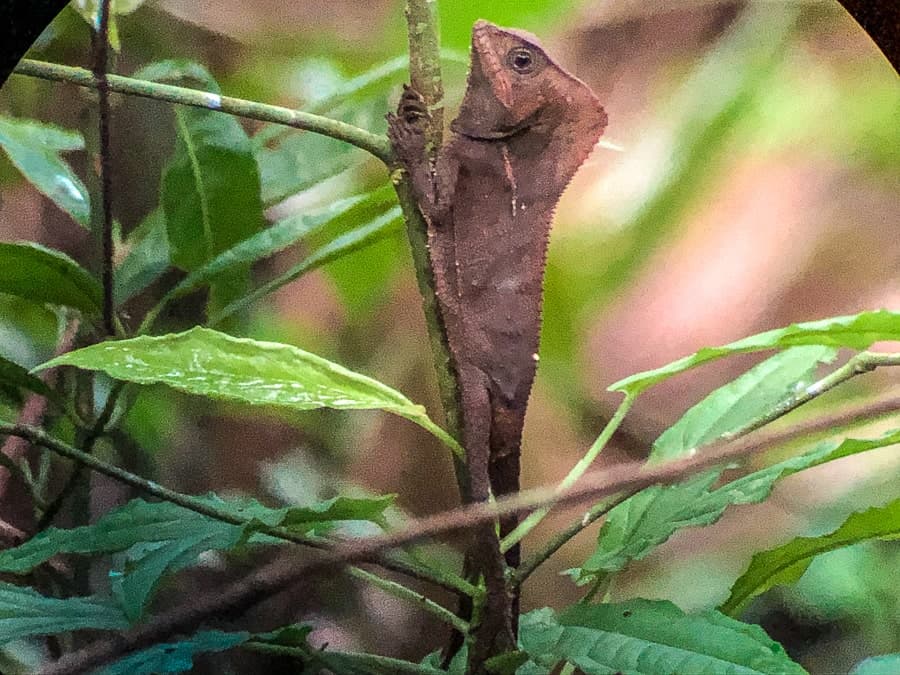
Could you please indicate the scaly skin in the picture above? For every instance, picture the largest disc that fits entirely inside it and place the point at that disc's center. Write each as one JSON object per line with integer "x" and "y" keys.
{"x": 524, "y": 128}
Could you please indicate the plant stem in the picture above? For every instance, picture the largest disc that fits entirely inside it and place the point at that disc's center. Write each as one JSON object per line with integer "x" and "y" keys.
{"x": 100, "y": 65}
{"x": 400, "y": 591}
{"x": 329, "y": 659}
{"x": 39, "y": 437}
{"x": 372, "y": 143}
{"x": 857, "y": 365}
{"x": 425, "y": 64}
{"x": 574, "y": 475}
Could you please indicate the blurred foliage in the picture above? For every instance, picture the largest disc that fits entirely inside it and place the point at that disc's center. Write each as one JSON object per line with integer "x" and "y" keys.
{"x": 305, "y": 228}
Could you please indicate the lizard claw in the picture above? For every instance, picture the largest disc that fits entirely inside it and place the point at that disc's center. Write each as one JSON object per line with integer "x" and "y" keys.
{"x": 406, "y": 128}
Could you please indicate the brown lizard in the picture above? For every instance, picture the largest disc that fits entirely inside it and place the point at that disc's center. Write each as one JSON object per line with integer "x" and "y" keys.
{"x": 524, "y": 127}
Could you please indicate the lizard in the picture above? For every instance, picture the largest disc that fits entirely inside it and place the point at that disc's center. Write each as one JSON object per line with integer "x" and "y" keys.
{"x": 524, "y": 127}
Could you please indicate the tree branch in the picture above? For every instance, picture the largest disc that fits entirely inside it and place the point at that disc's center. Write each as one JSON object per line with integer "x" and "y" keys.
{"x": 365, "y": 140}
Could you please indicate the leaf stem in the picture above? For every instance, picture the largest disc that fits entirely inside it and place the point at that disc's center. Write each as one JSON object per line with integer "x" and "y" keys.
{"x": 406, "y": 593}
{"x": 365, "y": 140}
{"x": 574, "y": 475}
{"x": 368, "y": 662}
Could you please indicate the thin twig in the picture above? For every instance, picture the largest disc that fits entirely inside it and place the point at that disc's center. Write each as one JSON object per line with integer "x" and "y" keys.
{"x": 626, "y": 479}
{"x": 372, "y": 143}
{"x": 40, "y": 437}
{"x": 100, "y": 65}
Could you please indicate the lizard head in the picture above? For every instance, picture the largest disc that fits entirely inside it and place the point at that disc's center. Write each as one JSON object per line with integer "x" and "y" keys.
{"x": 513, "y": 85}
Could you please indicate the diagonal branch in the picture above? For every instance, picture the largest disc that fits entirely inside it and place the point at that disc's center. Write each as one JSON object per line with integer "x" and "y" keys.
{"x": 366, "y": 140}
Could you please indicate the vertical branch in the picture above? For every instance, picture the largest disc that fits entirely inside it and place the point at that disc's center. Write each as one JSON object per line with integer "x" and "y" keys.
{"x": 425, "y": 63}
{"x": 100, "y": 58}
{"x": 425, "y": 77}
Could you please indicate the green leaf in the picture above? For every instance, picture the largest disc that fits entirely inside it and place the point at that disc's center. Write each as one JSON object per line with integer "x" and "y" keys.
{"x": 209, "y": 363}
{"x": 787, "y": 563}
{"x": 161, "y": 537}
{"x": 887, "y": 664}
{"x": 24, "y": 613}
{"x": 174, "y": 657}
{"x": 857, "y": 331}
{"x": 740, "y": 403}
{"x": 650, "y": 637}
{"x": 34, "y": 149}
{"x": 279, "y": 236}
{"x": 375, "y": 230}
{"x": 147, "y": 259}
{"x": 211, "y": 186}
{"x": 41, "y": 274}
{"x": 88, "y": 10}
{"x": 14, "y": 375}
{"x": 641, "y": 523}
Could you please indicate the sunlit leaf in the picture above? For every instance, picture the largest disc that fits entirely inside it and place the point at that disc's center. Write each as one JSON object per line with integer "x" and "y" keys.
{"x": 740, "y": 403}
{"x": 646, "y": 637}
{"x": 24, "y": 612}
{"x": 34, "y": 148}
{"x": 641, "y": 523}
{"x": 208, "y": 363}
{"x": 787, "y": 563}
{"x": 857, "y": 331}
{"x": 42, "y": 274}
{"x": 174, "y": 657}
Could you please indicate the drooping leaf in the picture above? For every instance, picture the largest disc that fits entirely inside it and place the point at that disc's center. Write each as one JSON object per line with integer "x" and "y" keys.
{"x": 34, "y": 148}
{"x": 147, "y": 259}
{"x": 174, "y": 657}
{"x": 24, "y": 612}
{"x": 162, "y": 537}
{"x": 209, "y": 363}
{"x": 857, "y": 331}
{"x": 211, "y": 186}
{"x": 41, "y": 274}
{"x": 787, "y": 563}
{"x": 738, "y": 404}
{"x": 886, "y": 664}
{"x": 382, "y": 226}
{"x": 641, "y": 523}
{"x": 645, "y": 637}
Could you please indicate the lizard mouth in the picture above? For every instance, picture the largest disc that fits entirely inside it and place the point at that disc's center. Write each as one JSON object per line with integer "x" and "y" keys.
{"x": 493, "y": 134}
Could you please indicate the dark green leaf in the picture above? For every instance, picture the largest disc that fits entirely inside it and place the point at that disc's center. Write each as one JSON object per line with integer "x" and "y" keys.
{"x": 383, "y": 226}
{"x": 14, "y": 375}
{"x": 174, "y": 657}
{"x": 740, "y": 403}
{"x": 786, "y": 564}
{"x": 88, "y": 9}
{"x": 887, "y": 664}
{"x": 24, "y": 612}
{"x": 147, "y": 259}
{"x": 279, "y": 236}
{"x": 42, "y": 274}
{"x": 34, "y": 148}
{"x": 641, "y": 523}
{"x": 645, "y": 637}
{"x": 210, "y": 188}
{"x": 857, "y": 332}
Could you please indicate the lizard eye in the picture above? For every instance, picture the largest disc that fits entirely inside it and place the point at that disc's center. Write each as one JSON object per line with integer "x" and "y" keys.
{"x": 521, "y": 60}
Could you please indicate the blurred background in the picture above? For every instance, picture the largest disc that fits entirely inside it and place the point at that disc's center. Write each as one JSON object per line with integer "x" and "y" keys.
{"x": 750, "y": 178}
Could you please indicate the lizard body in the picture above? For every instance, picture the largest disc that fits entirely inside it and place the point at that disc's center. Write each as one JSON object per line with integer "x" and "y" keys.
{"x": 524, "y": 127}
